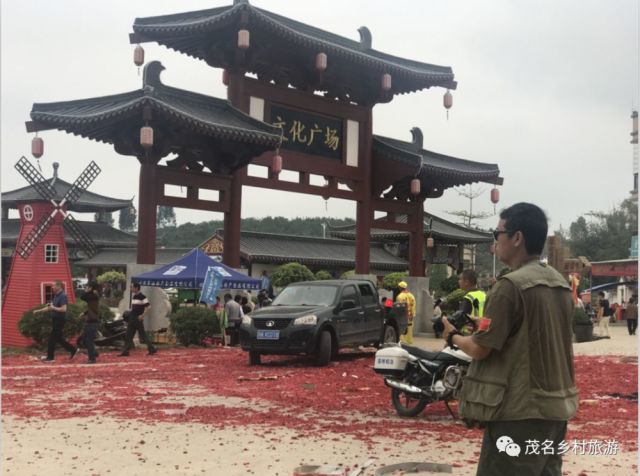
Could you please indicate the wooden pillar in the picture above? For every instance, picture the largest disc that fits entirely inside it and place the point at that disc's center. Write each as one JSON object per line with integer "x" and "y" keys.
{"x": 232, "y": 218}
{"x": 416, "y": 240}
{"x": 364, "y": 211}
{"x": 147, "y": 212}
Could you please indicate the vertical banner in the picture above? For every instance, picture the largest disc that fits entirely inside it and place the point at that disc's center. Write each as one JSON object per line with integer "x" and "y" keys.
{"x": 211, "y": 285}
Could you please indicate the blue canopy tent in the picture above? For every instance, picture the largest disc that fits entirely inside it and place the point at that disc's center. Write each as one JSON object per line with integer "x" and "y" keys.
{"x": 189, "y": 272}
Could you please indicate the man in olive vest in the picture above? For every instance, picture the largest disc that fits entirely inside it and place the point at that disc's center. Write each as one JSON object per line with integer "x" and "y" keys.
{"x": 521, "y": 384}
{"x": 472, "y": 303}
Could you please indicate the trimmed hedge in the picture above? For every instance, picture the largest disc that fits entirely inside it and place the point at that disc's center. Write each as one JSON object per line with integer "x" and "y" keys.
{"x": 194, "y": 325}
{"x": 38, "y": 326}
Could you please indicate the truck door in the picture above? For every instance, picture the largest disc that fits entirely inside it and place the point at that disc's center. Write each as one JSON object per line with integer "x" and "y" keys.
{"x": 350, "y": 320}
{"x": 373, "y": 316}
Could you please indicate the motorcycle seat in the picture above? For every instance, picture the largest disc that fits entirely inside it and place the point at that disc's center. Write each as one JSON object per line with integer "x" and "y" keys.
{"x": 421, "y": 353}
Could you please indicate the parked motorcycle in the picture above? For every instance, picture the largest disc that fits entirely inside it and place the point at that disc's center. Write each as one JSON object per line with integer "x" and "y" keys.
{"x": 418, "y": 377}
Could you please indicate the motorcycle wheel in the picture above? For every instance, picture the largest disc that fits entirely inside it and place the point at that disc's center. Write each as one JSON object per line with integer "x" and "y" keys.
{"x": 407, "y": 405}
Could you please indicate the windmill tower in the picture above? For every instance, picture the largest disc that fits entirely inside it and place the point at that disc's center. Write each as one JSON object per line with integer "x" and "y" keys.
{"x": 41, "y": 256}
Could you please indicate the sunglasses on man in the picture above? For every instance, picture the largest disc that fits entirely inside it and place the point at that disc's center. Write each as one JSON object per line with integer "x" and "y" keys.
{"x": 497, "y": 233}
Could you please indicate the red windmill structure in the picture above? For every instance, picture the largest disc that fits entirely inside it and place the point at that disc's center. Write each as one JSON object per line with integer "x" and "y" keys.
{"x": 41, "y": 256}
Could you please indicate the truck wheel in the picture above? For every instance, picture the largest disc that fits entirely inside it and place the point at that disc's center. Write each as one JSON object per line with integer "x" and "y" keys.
{"x": 406, "y": 404}
{"x": 254, "y": 357}
{"x": 323, "y": 357}
{"x": 390, "y": 335}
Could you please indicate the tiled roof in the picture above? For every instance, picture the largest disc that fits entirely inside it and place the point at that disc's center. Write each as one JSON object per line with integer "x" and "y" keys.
{"x": 275, "y": 248}
{"x": 436, "y": 171}
{"x": 95, "y": 118}
{"x": 88, "y": 202}
{"x": 101, "y": 234}
{"x": 443, "y": 231}
{"x": 124, "y": 256}
{"x": 195, "y": 33}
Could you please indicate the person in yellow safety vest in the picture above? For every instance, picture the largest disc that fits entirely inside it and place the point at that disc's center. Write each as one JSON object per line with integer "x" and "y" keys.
{"x": 472, "y": 303}
{"x": 406, "y": 298}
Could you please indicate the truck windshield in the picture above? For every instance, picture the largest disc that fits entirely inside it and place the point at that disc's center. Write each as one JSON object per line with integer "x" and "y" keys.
{"x": 306, "y": 296}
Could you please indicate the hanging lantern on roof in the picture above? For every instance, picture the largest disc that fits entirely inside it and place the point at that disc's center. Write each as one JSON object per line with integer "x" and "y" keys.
{"x": 276, "y": 164}
{"x": 447, "y": 101}
{"x": 138, "y": 56}
{"x": 243, "y": 39}
{"x": 415, "y": 186}
{"x": 225, "y": 77}
{"x": 321, "y": 62}
{"x": 431, "y": 242}
{"x": 146, "y": 137}
{"x": 37, "y": 147}
{"x": 495, "y": 195}
{"x": 386, "y": 82}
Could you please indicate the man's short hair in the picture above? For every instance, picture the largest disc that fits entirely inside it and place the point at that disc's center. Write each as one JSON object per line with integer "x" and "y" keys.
{"x": 601, "y": 293}
{"x": 470, "y": 276}
{"x": 59, "y": 284}
{"x": 530, "y": 220}
{"x": 227, "y": 297}
{"x": 135, "y": 285}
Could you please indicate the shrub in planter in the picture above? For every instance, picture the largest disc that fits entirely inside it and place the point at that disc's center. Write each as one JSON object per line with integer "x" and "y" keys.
{"x": 452, "y": 301}
{"x": 194, "y": 325}
{"x": 38, "y": 326}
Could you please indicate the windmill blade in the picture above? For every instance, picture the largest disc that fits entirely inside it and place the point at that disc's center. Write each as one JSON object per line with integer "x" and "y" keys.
{"x": 35, "y": 178}
{"x": 26, "y": 246}
{"x": 80, "y": 236}
{"x": 81, "y": 184}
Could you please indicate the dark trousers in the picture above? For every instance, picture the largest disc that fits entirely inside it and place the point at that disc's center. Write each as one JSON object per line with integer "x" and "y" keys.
{"x": 88, "y": 337}
{"x": 136, "y": 325}
{"x": 632, "y": 325}
{"x": 498, "y": 463}
{"x": 57, "y": 337}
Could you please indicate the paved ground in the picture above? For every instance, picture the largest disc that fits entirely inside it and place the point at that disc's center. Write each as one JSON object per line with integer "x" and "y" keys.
{"x": 205, "y": 411}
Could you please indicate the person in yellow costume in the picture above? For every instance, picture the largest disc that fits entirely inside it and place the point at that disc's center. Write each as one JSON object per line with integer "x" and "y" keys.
{"x": 406, "y": 298}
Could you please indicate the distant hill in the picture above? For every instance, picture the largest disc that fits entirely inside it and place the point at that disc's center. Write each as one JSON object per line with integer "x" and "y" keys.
{"x": 192, "y": 234}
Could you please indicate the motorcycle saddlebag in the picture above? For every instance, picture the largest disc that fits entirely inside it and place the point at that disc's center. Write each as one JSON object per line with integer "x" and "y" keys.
{"x": 391, "y": 361}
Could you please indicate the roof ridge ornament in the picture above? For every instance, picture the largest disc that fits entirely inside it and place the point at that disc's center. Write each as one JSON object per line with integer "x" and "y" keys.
{"x": 365, "y": 38}
{"x": 151, "y": 75}
{"x": 418, "y": 138}
{"x": 55, "y": 174}
{"x": 240, "y": 2}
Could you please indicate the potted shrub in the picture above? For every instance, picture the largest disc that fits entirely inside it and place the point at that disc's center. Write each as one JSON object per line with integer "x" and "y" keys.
{"x": 582, "y": 325}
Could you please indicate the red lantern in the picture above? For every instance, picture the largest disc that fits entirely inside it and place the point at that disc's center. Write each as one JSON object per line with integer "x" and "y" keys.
{"x": 495, "y": 195}
{"x": 447, "y": 100}
{"x": 321, "y": 61}
{"x": 37, "y": 147}
{"x": 138, "y": 56}
{"x": 430, "y": 242}
{"x": 146, "y": 137}
{"x": 415, "y": 186}
{"x": 386, "y": 82}
{"x": 243, "y": 39}
{"x": 276, "y": 164}
{"x": 225, "y": 77}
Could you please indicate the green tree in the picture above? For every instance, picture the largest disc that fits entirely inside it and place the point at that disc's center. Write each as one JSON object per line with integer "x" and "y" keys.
{"x": 436, "y": 274}
{"x": 391, "y": 280}
{"x": 449, "y": 285}
{"x": 103, "y": 217}
{"x": 127, "y": 219}
{"x": 607, "y": 235}
{"x": 166, "y": 217}
{"x": 322, "y": 275}
{"x": 291, "y": 273}
{"x": 112, "y": 277}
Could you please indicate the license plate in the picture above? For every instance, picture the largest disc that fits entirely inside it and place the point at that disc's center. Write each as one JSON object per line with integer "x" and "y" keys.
{"x": 268, "y": 334}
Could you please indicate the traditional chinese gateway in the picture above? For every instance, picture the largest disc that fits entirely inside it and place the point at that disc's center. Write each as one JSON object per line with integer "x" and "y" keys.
{"x": 298, "y": 99}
